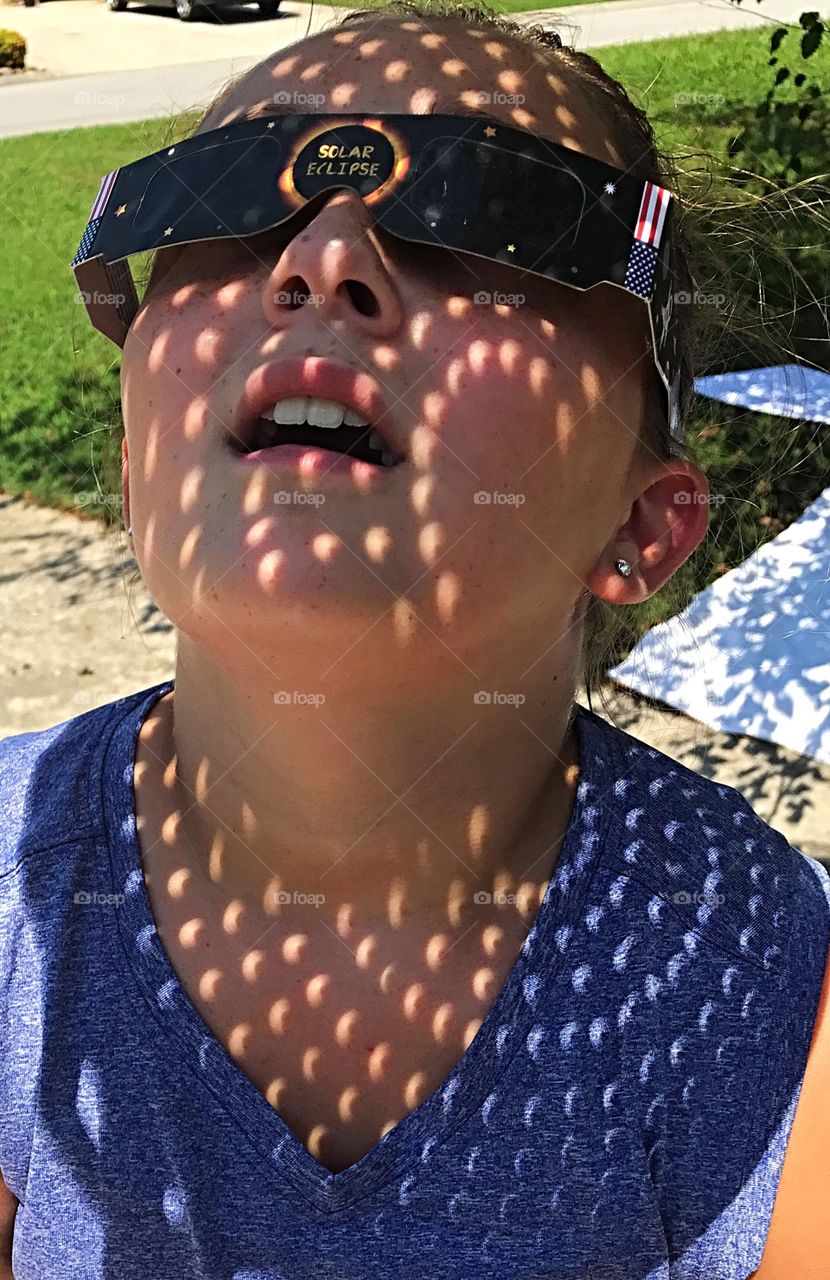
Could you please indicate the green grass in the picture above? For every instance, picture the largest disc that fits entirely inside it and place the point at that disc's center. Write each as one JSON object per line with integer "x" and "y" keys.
{"x": 59, "y": 389}
{"x": 501, "y": 6}
{"x": 519, "y": 6}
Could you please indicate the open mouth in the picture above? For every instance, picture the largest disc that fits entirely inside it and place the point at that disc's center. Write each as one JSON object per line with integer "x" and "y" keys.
{"x": 325, "y": 424}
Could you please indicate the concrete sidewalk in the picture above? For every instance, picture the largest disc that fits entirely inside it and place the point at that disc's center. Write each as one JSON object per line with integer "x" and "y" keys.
{"x": 91, "y": 66}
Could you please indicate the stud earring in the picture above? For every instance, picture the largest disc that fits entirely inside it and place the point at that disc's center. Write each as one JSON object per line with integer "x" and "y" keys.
{"x": 624, "y": 568}
{"x": 130, "y": 531}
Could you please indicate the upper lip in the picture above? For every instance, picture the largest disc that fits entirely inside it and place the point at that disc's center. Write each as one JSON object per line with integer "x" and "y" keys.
{"x": 314, "y": 376}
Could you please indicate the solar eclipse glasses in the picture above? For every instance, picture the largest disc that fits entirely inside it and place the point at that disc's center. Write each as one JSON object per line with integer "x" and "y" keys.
{"x": 469, "y": 184}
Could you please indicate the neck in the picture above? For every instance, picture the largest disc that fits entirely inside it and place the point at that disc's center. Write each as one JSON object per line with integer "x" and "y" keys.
{"x": 372, "y": 795}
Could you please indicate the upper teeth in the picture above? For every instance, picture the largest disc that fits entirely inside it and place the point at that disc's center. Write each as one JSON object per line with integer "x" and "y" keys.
{"x": 317, "y": 413}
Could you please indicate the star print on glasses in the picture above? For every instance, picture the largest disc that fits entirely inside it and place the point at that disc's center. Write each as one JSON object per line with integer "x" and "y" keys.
{"x": 469, "y": 184}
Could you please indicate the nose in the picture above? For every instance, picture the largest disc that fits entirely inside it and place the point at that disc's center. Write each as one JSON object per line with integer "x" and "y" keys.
{"x": 333, "y": 269}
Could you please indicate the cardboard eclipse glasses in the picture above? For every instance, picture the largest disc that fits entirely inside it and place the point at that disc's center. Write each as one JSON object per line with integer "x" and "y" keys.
{"x": 468, "y": 184}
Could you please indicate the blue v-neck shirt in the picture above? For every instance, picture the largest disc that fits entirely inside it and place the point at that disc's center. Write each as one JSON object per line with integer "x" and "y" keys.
{"x": 621, "y": 1114}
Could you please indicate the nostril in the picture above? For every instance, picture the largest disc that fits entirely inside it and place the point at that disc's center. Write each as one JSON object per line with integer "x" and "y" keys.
{"x": 293, "y": 294}
{"x": 362, "y": 298}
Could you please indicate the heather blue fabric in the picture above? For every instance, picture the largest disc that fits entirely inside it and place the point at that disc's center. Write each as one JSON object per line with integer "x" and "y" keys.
{"x": 622, "y": 1113}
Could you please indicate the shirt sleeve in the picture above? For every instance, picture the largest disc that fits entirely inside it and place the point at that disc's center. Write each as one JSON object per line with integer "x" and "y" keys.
{"x": 733, "y": 1245}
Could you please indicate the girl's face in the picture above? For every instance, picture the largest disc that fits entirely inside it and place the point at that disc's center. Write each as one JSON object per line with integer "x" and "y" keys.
{"x": 519, "y": 418}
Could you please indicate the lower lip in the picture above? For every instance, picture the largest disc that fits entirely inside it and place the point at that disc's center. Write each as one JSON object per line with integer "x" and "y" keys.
{"x": 308, "y": 462}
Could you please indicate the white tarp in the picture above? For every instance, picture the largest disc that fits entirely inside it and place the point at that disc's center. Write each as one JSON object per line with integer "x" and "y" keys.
{"x": 751, "y": 653}
{"x": 787, "y": 390}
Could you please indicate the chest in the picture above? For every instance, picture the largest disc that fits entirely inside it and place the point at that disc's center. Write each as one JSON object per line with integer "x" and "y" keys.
{"x": 343, "y": 1039}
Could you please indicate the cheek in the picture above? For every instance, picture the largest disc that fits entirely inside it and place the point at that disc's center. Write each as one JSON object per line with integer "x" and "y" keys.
{"x": 512, "y": 402}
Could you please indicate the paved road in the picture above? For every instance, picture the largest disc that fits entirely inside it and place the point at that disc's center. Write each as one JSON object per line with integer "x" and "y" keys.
{"x": 91, "y": 66}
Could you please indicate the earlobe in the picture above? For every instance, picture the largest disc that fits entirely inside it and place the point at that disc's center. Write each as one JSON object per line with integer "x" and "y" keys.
{"x": 666, "y": 522}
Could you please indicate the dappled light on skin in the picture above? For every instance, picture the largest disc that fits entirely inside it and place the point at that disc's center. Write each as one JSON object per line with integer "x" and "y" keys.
{"x": 361, "y": 1020}
{"x": 346, "y": 957}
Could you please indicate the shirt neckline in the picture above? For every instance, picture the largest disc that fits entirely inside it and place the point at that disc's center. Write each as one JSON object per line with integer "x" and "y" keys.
{"x": 511, "y": 1025}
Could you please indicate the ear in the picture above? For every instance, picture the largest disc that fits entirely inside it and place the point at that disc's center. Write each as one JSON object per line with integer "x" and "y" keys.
{"x": 666, "y": 521}
{"x": 125, "y": 482}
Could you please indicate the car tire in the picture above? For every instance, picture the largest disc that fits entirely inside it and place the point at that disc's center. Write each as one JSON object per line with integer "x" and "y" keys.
{"x": 268, "y": 8}
{"x": 117, "y": 6}
{"x": 185, "y": 10}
